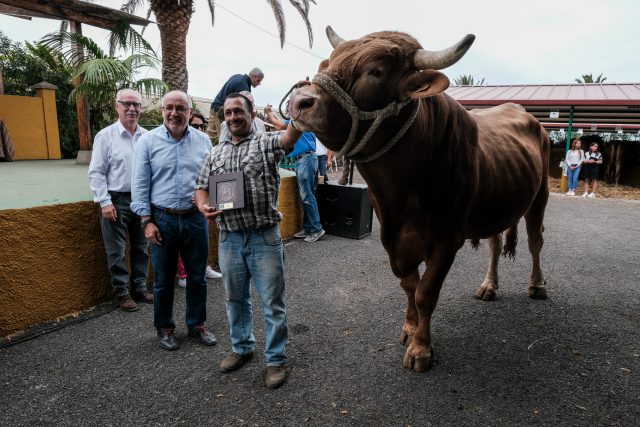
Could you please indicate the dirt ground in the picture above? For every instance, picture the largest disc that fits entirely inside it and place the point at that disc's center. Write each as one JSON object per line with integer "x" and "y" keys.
{"x": 606, "y": 191}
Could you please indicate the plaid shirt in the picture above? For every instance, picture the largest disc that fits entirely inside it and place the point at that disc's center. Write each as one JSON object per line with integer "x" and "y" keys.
{"x": 257, "y": 157}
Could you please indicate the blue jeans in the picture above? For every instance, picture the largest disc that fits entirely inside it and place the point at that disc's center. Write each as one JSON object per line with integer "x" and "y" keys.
{"x": 114, "y": 236}
{"x": 572, "y": 178}
{"x": 306, "y": 168}
{"x": 189, "y": 236}
{"x": 257, "y": 255}
{"x": 322, "y": 167}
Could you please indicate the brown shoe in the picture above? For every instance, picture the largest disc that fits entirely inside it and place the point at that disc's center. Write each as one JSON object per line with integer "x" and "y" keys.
{"x": 127, "y": 304}
{"x": 234, "y": 361}
{"x": 276, "y": 375}
{"x": 144, "y": 296}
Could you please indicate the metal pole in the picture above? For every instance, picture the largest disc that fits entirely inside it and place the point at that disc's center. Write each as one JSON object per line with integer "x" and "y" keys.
{"x": 564, "y": 185}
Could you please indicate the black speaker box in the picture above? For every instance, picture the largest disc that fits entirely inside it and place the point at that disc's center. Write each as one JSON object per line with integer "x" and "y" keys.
{"x": 345, "y": 210}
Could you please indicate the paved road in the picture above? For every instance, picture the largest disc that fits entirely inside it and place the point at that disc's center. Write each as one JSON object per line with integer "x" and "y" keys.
{"x": 571, "y": 360}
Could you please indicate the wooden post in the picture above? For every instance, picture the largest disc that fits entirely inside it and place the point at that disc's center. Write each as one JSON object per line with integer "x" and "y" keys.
{"x": 82, "y": 109}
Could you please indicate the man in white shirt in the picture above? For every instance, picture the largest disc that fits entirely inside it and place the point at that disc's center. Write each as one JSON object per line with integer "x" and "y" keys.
{"x": 110, "y": 180}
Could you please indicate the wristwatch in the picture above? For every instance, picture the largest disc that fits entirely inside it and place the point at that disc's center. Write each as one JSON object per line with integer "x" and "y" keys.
{"x": 145, "y": 222}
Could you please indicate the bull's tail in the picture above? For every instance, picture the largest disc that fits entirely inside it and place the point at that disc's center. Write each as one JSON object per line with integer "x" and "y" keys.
{"x": 510, "y": 241}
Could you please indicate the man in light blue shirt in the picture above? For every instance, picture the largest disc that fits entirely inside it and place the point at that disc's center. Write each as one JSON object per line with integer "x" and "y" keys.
{"x": 110, "y": 180}
{"x": 166, "y": 163}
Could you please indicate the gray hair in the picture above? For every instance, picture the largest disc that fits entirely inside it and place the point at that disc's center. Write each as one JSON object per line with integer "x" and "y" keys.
{"x": 182, "y": 95}
{"x": 128, "y": 92}
{"x": 257, "y": 72}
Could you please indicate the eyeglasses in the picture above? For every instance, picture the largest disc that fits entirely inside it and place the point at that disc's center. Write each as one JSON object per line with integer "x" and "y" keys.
{"x": 176, "y": 108}
{"x": 129, "y": 104}
{"x": 200, "y": 126}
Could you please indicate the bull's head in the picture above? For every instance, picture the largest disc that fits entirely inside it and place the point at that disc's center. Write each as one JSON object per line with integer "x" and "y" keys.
{"x": 381, "y": 71}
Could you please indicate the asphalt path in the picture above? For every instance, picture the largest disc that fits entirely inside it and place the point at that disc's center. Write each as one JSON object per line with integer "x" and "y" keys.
{"x": 573, "y": 359}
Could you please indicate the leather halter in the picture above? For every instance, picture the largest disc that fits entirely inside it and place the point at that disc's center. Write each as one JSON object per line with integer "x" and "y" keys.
{"x": 346, "y": 102}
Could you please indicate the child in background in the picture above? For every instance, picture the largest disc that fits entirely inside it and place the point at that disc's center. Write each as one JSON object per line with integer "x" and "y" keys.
{"x": 592, "y": 162}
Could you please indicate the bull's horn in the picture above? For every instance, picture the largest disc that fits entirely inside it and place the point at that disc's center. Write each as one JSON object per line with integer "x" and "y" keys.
{"x": 425, "y": 59}
{"x": 334, "y": 39}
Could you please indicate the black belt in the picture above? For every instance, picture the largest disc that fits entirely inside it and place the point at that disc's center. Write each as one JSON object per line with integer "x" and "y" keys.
{"x": 298, "y": 157}
{"x": 177, "y": 211}
{"x": 121, "y": 193}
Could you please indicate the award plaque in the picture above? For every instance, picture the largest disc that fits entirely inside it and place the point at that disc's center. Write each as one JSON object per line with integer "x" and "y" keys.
{"x": 226, "y": 191}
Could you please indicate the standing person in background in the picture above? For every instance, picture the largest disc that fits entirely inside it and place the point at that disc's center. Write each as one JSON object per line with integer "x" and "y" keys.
{"x": 592, "y": 162}
{"x": 574, "y": 160}
{"x": 236, "y": 83}
{"x": 197, "y": 121}
{"x": 110, "y": 180}
{"x": 166, "y": 163}
{"x": 305, "y": 160}
{"x": 323, "y": 161}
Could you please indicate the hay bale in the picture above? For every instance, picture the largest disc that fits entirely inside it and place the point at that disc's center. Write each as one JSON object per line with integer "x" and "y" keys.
{"x": 289, "y": 204}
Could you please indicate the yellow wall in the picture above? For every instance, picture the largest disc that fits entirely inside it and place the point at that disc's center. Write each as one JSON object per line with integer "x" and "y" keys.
{"x": 33, "y": 124}
{"x": 53, "y": 263}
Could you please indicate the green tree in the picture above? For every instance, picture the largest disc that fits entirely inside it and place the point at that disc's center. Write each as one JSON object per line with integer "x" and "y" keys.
{"x": 467, "y": 80}
{"x": 588, "y": 78}
{"x": 24, "y": 66}
{"x": 174, "y": 17}
{"x": 99, "y": 75}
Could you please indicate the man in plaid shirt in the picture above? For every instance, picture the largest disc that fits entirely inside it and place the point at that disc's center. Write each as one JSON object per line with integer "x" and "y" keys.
{"x": 250, "y": 245}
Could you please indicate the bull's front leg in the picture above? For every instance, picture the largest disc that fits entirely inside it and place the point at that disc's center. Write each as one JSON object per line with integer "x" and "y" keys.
{"x": 420, "y": 352}
{"x": 409, "y": 284}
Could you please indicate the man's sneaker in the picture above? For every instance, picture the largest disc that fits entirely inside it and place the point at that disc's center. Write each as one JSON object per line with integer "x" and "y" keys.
{"x": 127, "y": 304}
{"x": 301, "y": 234}
{"x": 234, "y": 361}
{"x": 212, "y": 274}
{"x": 592, "y": 195}
{"x": 585, "y": 194}
{"x": 314, "y": 236}
{"x": 182, "y": 283}
{"x": 276, "y": 375}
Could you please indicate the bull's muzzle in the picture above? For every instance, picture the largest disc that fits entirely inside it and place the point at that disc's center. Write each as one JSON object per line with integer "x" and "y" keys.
{"x": 300, "y": 102}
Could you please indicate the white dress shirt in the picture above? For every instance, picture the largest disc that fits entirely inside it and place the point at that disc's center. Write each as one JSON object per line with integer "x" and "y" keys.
{"x": 112, "y": 161}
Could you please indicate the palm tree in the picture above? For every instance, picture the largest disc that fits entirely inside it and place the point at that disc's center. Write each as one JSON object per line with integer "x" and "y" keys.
{"x": 173, "y": 18}
{"x": 588, "y": 78}
{"x": 467, "y": 80}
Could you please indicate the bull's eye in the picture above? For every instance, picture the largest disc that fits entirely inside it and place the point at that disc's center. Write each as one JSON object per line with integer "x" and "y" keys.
{"x": 375, "y": 73}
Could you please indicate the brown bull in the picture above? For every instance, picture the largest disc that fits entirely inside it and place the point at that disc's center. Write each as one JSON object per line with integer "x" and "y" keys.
{"x": 437, "y": 174}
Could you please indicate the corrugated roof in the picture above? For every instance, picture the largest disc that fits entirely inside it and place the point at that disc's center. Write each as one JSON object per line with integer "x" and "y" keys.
{"x": 545, "y": 94}
{"x": 595, "y": 106}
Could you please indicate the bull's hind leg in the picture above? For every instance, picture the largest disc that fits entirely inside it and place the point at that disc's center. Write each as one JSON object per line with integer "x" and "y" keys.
{"x": 489, "y": 286}
{"x": 420, "y": 351}
{"x": 409, "y": 285}
{"x": 535, "y": 227}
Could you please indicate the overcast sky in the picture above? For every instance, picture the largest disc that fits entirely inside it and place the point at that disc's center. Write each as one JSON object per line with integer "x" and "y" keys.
{"x": 517, "y": 42}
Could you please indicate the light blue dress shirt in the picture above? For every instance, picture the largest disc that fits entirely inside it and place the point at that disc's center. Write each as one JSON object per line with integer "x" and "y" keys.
{"x": 112, "y": 161}
{"x": 165, "y": 170}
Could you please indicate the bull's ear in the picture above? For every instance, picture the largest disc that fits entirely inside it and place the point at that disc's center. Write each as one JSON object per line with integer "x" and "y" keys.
{"x": 323, "y": 65}
{"x": 426, "y": 83}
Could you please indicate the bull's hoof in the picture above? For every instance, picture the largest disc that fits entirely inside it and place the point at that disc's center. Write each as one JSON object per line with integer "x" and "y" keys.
{"x": 538, "y": 293}
{"x": 485, "y": 293}
{"x": 538, "y": 290}
{"x": 418, "y": 364}
{"x": 404, "y": 338}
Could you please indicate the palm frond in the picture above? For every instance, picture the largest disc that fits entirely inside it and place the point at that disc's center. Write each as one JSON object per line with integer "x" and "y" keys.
{"x": 72, "y": 46}
{"x": 212, "y": 5}
{"x": 126, "y": 38}
{"x": 280, "y": 21}
{"x": 150, "y": 87}
{"x": 302, "y": 6}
